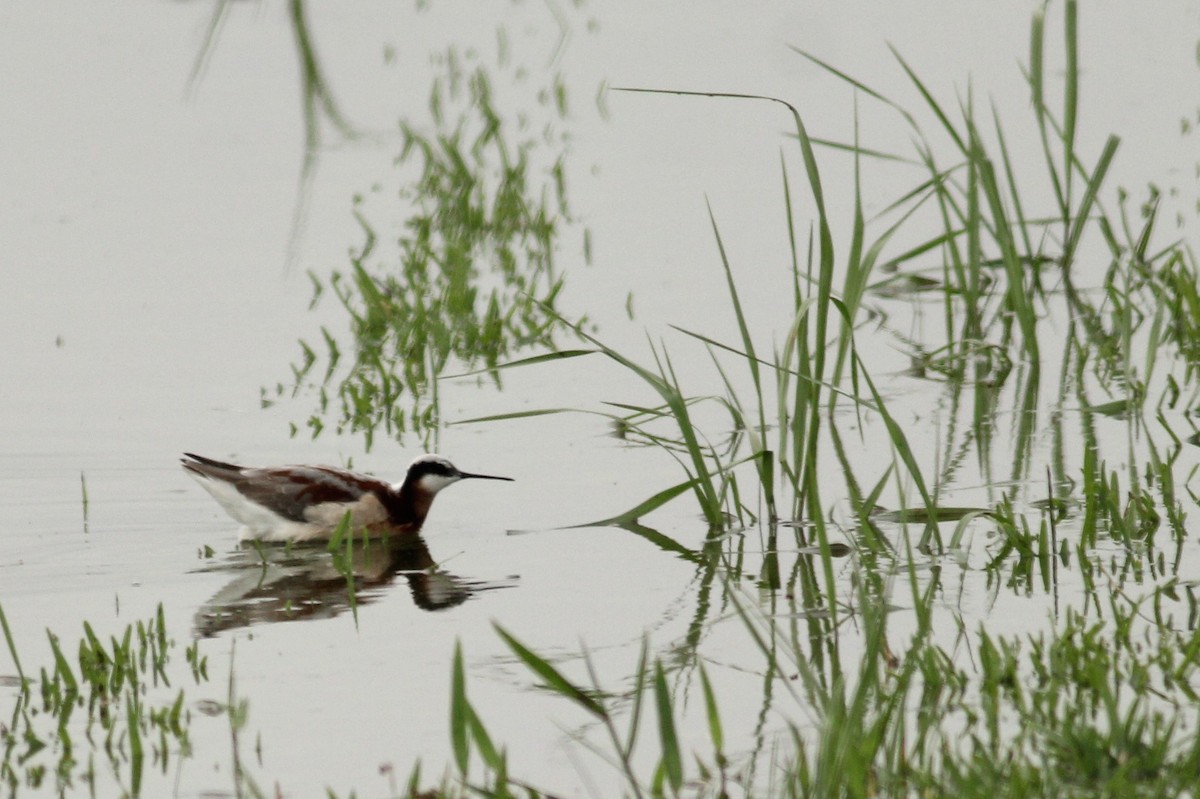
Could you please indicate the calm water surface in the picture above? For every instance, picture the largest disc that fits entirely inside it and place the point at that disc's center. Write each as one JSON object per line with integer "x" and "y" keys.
{"x": 156, "y": 236}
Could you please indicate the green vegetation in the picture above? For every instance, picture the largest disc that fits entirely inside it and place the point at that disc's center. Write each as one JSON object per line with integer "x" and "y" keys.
{"x": 467, "y": 278}
{"x": 1090, "y": 707}
{"x": 1096, "y": 694}
{"x": 111, "y": 707}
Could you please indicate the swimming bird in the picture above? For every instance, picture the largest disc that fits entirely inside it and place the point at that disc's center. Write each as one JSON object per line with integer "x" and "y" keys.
{"x": 306, "y": 503}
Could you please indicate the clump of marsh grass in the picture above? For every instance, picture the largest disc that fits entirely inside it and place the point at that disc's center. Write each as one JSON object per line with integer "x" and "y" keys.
{"x": 1098, "y": 701}
{"x": 1085, "y": 707}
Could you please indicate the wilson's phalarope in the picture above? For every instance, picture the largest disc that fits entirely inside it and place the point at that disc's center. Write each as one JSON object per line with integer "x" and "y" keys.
{"x": 304, "y": 503}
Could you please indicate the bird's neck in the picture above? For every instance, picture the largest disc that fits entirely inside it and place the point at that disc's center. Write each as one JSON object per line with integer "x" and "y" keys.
{"x": 408, "y": 505}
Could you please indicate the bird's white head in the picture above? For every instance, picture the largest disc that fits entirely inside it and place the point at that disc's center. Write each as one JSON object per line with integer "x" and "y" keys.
{"x": 429, "y": 474}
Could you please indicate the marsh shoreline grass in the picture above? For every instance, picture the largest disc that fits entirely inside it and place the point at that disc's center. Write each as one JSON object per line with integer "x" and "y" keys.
{"x": 1098, "y": 698}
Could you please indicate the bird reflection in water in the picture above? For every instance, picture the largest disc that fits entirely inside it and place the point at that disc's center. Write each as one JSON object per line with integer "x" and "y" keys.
{"x": 275, "y": 583}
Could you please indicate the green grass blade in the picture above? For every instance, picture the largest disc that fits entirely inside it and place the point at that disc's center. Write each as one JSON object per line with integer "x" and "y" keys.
{"x": 487, "y": 750}
{"x": 136, "y": 754}
{"x": 550, "y": 675}
{"x": 862, "y": 87}
{"x": 710, "y": 709}
{"x": 546, "y": 357}
{"x": 62, "y": 667}
{"x": 503, "y": 417}
{"x": 1037, "y": 85}
{"x": 914, "y": 251}
{"x": 743, "y": 327}
{"x": 669, "y": 391}
{"x": 1090, "y": 194}
{"x": 1071, "y": 92}
{"x": 1018, "y": 209}
{"x": 460, "y": 711}
{"x": 642, "y": 508}
{"x": 752, "y": 362}
{"x": 671, "y": 759}
{"x": 12, "y": 648}
{"x": 929, "y": 99}
{"x": 1037, "y": 49}
{"x": 812, "y": 381}
{"x": 858, "y": 150}
{"x": 902, "y": 449}
{"x": 857, "y": 272}
{"x": 1018, "y": 294}
{"x": 639, "y": 693}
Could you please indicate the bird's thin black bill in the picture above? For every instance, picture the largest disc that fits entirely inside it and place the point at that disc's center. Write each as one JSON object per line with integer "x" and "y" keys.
{"x": 486, "y": 477}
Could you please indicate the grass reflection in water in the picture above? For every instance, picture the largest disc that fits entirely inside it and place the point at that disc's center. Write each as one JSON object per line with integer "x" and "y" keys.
{"x": 469, "y": 279}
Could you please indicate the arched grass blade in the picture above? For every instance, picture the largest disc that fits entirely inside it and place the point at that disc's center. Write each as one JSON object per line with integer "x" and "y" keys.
{"x": 503, "y": 417}
{"x": 642, "y": 508}
{"x": 551, "y": 676}
{"x": 545, "y": 357}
